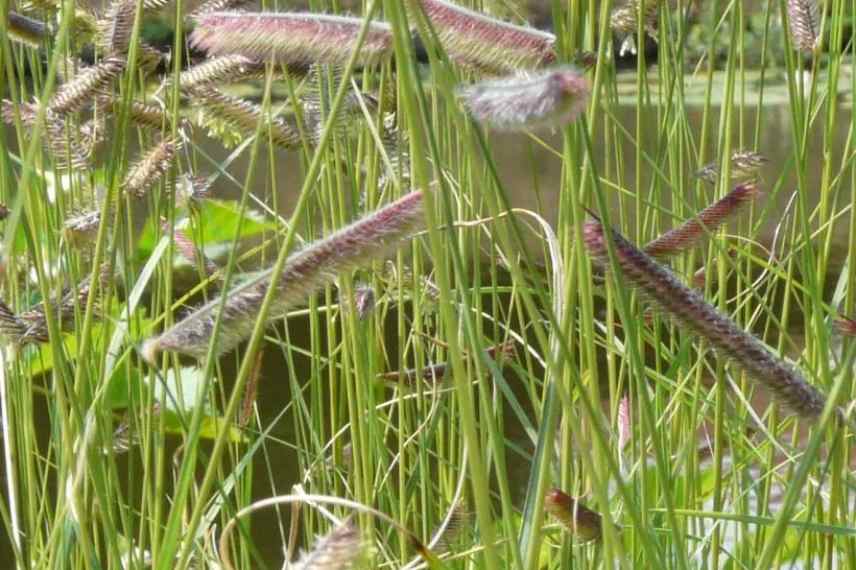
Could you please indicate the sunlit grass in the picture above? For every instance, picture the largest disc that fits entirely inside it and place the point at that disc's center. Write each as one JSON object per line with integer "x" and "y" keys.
{"x": 437, "y": 395}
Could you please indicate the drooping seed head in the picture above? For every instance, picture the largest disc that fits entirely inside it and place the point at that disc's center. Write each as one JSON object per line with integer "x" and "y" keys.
{"x": 25, "y": 30}
{"x": 845, "y": 326}
{"x": 804, "y": 24}
{"x": 150, "y": 168}
{"x": 218, "y": 70}
{"x": 707, "y": 221}
{"x": 290, "y": 38}
{"x": 624, "y": 19}
{"x": 338, "y": 550}
{"x": 578, "y": 519}
{"x": 689, "y": 309}
{"x": 80, "y": 91}
{"x": 478, "y": 41}
{"x": 364, "y": 300}
{"x": 306, "y": 271}
{"x": 547, "y": 99}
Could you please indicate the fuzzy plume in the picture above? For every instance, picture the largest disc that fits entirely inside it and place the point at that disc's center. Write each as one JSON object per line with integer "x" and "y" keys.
{"x": 306, "y": 271}
{"x": 246, "y": 116}
{"x": 551, "y": 98}
{"x": 115, "y": 27}
{"x": 25, "y": 30}
{"x": 79, "y": 92}
{"x": 338, "y": 550}
{"x": 150, "y": 168}
{"x": 689, "y": 309}
{"x": 290, "y": 38}
{"x": 804, "y": 23}
{"x": 744, "y": 165}
{"x": 222, "y": 69}
{"x": 478, "y": 41}
{"x": 578, "y": 519}
{"x": 708, "y": 220}
{"x": 624, "y": 19}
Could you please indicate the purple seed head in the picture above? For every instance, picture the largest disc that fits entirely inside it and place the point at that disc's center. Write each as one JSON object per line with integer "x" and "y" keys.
{"x": 290, "y": 38}
{"x": 304, "y": 273}
{"x": 484, "y": 43}
{"x": 689, "y": 309}
{"x": 708, "y": 220}
{"x": 547, "y": 99}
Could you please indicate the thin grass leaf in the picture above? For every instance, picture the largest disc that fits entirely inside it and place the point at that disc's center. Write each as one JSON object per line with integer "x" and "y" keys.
{"x": 290, "y": 38}
{"x": 306, "y": 271}
{"x": 784, "y": 382}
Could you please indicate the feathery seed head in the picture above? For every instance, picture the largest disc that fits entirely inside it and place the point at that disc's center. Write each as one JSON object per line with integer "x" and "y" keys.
{"x": 707, "y": 221}
{"x": 479, "y": 41}
{"x": 624, "y": 19}
{"x": 551, "y": 98}
{"x": 578, "y": 519}
{"x": 77, "y": 93}
{"x": 306, "y": 271}
{"x": 291, "y": 38}
{"x": 81, "y": 229}
{"x": 222, "y": 69}
{"x": 151, "y": 168}
{"x": 364, "y": 300}
{"x": 804, "y": 23}
{"x": 689, "y": 309}
{"x": 338, "y": 550}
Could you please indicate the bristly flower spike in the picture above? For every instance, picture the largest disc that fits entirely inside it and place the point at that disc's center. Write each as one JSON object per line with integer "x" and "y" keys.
{"x": 545, "y": 99}
{"x": 804, "y": 23}
{"x": 80, "y": 91}
{"x": 707, "y": 221}
{"x": 689, "y": 309}
{"x": 578, "y": 519}
{"x": 291, "y": 38}
{"x": 150, "y": 168}
{"x": 25, "y": 30}
{"x": 222, "y": 69}
{"x": 484, "y": 43}
{"x": 306, "y": 271}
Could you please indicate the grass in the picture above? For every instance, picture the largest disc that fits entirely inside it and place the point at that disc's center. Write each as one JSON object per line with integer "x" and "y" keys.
{"x": 675, "y": 456}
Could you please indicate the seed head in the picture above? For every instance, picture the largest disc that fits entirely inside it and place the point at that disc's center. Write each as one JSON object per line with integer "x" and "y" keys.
{"x": 364, "y": 300}
{"x": 744, "y": 165}
{"x": 79, "y": 92}
{"x": 246, "y": 116}
{"x": 25, "y": 30}
{"x": 804, "y": 23}
{"x": 484, "y": 43}
{"x": 551, "y": 98}
{"x": 785, "y": 383}
{"x": 578, "y": 519}
{"x": 706, "y": 222}
{"x": 304, "y": 273}
{"x": 222, "y": 69}
{"x": 338, "y": 550}
{"x": 150, "y": 168}
{"x": 846, "y": 326}
{"x": 290, "y": 38}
